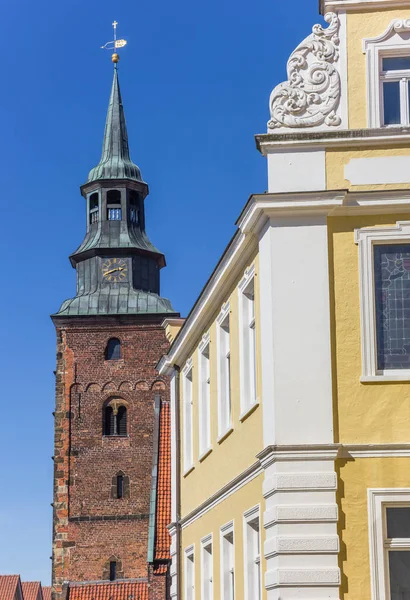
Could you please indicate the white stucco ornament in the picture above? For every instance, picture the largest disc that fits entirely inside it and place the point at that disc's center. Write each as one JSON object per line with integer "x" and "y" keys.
{"x": 311, "y": 96}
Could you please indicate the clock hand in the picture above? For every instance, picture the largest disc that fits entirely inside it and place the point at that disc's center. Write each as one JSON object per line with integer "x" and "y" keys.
{"x": 114, "y": 270}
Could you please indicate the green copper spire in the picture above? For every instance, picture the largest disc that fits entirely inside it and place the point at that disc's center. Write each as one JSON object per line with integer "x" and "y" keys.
{"x": 115, "y": 160}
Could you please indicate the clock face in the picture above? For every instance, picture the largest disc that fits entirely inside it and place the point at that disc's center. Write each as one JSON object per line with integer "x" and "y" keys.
{"x": 115, "y": 270}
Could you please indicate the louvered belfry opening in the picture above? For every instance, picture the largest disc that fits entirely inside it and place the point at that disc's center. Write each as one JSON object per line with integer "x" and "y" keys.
{"x": 115, "y": 420}
{"x": 109, "y": 421}
{"x": 113, "y": 350}
{"x": 122, "y": 421}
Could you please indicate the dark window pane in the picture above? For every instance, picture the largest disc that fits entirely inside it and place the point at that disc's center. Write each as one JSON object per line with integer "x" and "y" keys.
{"x": 398, "y": 522}
{"x": 392, "y": 291}
{"x": 114, "y": 197}
{"x": 109, "y": 421}
{"x": 93, "y": 201}
{"x": 120, "y": 486}
{"x": 113, "y": 351}
{"x": 122, "y": 421}
{"x": 399, "y": 567}
{"x": 391, "y": 99}
{"x": 113, "y": 570}
{"x": 396, "y": 63}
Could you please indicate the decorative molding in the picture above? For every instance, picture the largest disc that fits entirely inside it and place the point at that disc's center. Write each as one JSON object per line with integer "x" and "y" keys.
{"x": 301, "y": 513}
{"x": 247, "y": 277}
{"x": 302, "y": 577}
{"x": 221, "y": 495}
{"x": 377, "y": 499}
{"x": 366, "y": 238}
{"x": 227, "y": 528}
{"x": 224, "y": 313}
{"x": 396, "y": 26}
{"x": 328, "y": 544}
{"x": 311, "y": 96}
{"x": 283, "y": 482}
{"x": 188, "y": 367}
{"x": 363, "y": 5}
{"x": 204, "y": 342}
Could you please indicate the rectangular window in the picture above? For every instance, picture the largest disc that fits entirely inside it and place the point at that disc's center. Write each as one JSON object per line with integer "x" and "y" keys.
{"x": 224, "y": 364}
{"x": 397, "y": 547}
{"x": 252, "y": 563}
{"x": 204, "y": 398}
{"x": 392, "y": 303}
{"x": 187, "y": 400}
{"x": 207, "y": 569}
{"x": 189, "y": 574}
{"x": 395, "y": 80}
{"x": 248, "y": 344}
{"x": 227, "y": 563}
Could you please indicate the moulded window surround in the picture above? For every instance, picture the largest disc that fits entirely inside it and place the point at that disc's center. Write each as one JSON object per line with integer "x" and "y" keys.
{"x": 207, "y": 592}
{"x": 252, "y": 554}
{"x": 391, "y": 44}
{"x": 204, "y": 396}
{"x": 190, "y": 573}
{"x": 389, "y": 538}
{"x": 367, "y": 238}
{"x": 247, "y": 343}
{"x": 188, "y": 416}
{"x": 224, "y": 372}
{"x": 227, "y": 561}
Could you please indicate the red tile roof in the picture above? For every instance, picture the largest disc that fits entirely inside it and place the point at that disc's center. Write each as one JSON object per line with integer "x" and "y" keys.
{"x": 46, "y": 593}
{"x": 163, "y": 516}
{"x": 117, "y": 590}
{"x": 9, "y": 584}
{"x": 31, "y": 590}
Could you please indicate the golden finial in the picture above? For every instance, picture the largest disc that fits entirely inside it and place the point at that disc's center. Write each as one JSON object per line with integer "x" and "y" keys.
{"x": 114, "y": 44}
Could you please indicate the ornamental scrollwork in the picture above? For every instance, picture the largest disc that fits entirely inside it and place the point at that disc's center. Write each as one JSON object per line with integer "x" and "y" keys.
{"x": 311, "y": 96}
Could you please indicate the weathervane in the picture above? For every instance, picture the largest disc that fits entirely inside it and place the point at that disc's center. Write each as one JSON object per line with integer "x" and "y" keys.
{"x": 114, "y": 44}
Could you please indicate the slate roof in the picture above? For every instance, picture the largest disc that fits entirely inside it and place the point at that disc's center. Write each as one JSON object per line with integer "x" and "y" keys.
{"x": 118, "y": 590}
{"x": 163, "y": 508}
{"x": 124, "y": 300}
{"x": 9, "y": 584}
{"x": 31, "y": 590}
{"x": 115, "y": 160}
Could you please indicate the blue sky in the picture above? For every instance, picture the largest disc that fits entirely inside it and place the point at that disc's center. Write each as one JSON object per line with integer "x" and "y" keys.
{"x": 195, "y": 79}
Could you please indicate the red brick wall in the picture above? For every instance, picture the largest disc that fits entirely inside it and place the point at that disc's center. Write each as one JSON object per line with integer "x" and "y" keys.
{"x": 90, "y": 526}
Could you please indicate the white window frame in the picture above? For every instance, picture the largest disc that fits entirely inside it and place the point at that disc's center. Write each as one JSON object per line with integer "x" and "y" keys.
{"x": 189, "y": 556}
{"x": 204, "y": 397}
{"x": 378, "y": 501}
{"x": 247, "y": 345}
{"x": 367, "y": 238}
{"x": 206, "y": 542}
{"x": 389, "y": 44}
{"x": 250, "y": 518}
{"x": 188, "y": 428}
{"x": 224, "y": 378}
{"x": 227, "y": 531}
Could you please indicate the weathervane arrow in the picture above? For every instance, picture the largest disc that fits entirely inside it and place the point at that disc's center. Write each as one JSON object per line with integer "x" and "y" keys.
{"x": 114, "y": 44}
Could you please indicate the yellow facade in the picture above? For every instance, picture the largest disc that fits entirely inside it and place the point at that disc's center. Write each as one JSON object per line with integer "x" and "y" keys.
{"x": 237, "y": 451}
{"x": 313, "y": 484}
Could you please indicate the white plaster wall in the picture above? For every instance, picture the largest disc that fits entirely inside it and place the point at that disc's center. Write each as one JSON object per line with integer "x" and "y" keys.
{"x": 297, "y": 385}
{"x": 297, "y": 170}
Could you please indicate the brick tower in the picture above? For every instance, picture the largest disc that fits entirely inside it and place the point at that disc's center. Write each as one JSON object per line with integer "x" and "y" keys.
{"x": 111, "y": 475}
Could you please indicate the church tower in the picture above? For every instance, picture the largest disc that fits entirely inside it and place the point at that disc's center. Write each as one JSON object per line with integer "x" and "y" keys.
{"x": 111, "y": 458}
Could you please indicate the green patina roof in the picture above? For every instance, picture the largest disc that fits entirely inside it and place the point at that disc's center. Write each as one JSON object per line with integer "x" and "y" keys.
{"x": 115, "y": 160}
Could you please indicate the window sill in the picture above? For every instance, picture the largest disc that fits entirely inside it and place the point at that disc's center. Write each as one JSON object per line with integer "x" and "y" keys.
{"x": 223, "y": 436}
{"x": 248, "y": 411}
{"x": 205, "y": 454}
{"x": 405, "y": 376}
{"x": 188, "y": 471}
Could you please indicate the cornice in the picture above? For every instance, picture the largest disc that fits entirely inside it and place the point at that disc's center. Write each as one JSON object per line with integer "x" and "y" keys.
{"x": 360, "y": 5}
{"x": 267, "y": 142}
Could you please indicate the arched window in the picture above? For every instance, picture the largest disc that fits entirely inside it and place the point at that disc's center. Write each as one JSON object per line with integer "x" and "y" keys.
{"x": 120, "y": 486}
{"x": 94, "y": 208}
{"x": 134, "y": 207}
{"x": 113, "y": 350}
{"x": 115, "y": 419}
{"x": 109, "y": 421}
{"x": 114, "y": 212}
